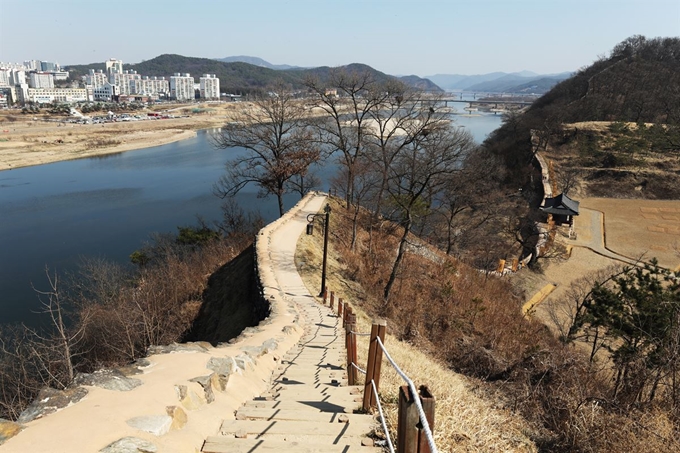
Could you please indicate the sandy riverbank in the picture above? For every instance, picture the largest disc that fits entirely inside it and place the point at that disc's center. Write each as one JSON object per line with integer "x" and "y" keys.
{"x": 25, "y": 141}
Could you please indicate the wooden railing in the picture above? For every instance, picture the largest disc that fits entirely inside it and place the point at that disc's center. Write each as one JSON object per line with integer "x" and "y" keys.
{"x": 416, "y": 406}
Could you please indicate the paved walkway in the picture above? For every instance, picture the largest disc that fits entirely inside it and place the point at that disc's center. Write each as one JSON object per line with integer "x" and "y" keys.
{"x": 309, "y": 407}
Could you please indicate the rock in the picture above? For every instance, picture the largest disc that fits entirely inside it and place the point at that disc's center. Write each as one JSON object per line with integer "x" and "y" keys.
{"x": 367, "y": 442}
{"x": 222, "y": 365}
{"x": 154, "y": 424}
{"x": 245, "y": 362}
{"x": 270, "y": 345}
{"x": 8, "y": 429}
{"x": 50, "y": 400}
{"x": 108, "y": 379}
{"x": 177, "y": 347}
{"x": 254, "y": 351}
{"x": 343, "y": 419}
{"x": 188, "y": 398}
{"x": 130, "y": 445}
{"x": 207, "y": 384}
{"x": 179, "y": 417}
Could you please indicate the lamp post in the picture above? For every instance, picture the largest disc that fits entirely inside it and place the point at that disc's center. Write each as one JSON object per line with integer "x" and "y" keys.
{"x": 326, "y": 223}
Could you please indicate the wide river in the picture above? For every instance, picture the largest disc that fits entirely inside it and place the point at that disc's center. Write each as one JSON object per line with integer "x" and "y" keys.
{"x": 52, "y": 215}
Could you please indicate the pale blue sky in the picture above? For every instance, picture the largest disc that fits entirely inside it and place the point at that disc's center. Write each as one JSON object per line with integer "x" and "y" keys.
{"x": 398, "y": 37}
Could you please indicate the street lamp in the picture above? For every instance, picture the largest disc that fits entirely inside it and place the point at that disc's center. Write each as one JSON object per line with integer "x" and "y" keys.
{"x": 310, "y": 230}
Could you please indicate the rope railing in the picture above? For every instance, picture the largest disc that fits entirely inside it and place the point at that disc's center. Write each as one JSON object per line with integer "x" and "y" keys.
{"x": 414, "y": 391}
{"x": 382, "y": 417}
{"x": 416, "y": 406}
{"x": 361, "y": 370}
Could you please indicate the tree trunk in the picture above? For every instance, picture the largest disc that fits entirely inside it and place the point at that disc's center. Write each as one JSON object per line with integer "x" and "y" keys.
{"x": 400, "y": 257}
{"x": 279, "y": 198}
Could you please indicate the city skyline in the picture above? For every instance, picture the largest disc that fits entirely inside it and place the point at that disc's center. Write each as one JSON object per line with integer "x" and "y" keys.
{"x": 399, "y": 37}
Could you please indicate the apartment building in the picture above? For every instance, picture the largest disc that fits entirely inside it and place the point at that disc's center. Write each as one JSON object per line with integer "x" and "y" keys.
{"x": 40, "y": 80}
{"x": 113, "y": 65}
{"x": 124, "y": 80}
{"x": 150, "y": 86}
{"x": 210, "y": 87}
{"x": 96, "y": 78}
{"x": 182, "y": 87}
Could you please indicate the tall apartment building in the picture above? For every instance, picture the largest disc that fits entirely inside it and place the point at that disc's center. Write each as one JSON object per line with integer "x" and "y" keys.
{"x": 96, "y": 78}
{"x": 17, "y": 77}
{"x": 150, "y": 86}
{"x": 124, "y": 81}
{"x": 32, "y": 65}
{"x": 41, "y": 80}
{"x": 4, "y": 77}
{"x": 113, "y": 65}
{"x": 182, "y": 87}
{"x": 210, "y": 87}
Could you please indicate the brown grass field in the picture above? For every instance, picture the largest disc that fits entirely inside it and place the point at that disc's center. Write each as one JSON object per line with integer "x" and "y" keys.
{"x": 641, "y": 228}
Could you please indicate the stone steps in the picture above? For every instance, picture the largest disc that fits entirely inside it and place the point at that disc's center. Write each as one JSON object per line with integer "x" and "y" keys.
{"x": 218, "y": 444}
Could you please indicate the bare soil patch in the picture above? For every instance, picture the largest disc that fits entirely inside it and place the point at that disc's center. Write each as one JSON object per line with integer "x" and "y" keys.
{"x": 641, "y": 228}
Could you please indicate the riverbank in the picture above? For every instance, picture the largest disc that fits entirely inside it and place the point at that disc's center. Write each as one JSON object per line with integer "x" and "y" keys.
{"x": 27, "y": 141}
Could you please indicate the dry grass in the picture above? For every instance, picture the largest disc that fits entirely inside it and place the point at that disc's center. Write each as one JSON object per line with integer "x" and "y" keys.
{"x": 464, "y": 420}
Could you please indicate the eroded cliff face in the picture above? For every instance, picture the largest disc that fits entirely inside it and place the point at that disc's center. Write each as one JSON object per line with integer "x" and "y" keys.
{"x": 231, "y": 302}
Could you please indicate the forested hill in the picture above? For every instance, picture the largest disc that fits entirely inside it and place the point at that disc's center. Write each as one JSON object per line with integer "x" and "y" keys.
{"x": 638, "y": 82}
{"x": 239, "y": 77}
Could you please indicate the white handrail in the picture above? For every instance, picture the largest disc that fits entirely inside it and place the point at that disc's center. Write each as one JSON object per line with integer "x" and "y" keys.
{"x": 382, "y": 417}
{"x": 414, "y": 392}
{"x": 361, "y": 370}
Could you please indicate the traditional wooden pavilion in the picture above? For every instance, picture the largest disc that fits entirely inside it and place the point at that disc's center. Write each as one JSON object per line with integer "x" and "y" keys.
{"x": 562, "y": 208}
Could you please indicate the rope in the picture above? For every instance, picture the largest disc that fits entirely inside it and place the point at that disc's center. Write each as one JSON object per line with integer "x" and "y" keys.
{"x": 358, "y": 368}
{"x": 382, "y": 418}
{"x": 414, "y": 392}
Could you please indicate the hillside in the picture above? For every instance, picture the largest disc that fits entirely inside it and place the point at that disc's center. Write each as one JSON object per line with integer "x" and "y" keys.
{"x": 240, "y": 77}
{"x": 497, "y": 82}
{"x": 255, "y": 61}
{"x": 639, "y": 82}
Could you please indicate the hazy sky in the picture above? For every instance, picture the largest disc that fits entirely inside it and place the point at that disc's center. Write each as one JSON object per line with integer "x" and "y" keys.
{"x": 421, "y": 37}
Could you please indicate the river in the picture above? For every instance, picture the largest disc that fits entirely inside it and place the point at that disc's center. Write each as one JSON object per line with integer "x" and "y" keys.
{"x": 52, "y": 215}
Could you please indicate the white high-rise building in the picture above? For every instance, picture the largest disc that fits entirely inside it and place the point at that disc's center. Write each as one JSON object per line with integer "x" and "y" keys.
{"x": 113, "y": 65}
{"x": 123, "y": 81}
{"x": 4, "y": 77}
{"x": 96, "y": 78}
{"x": 150, "y": 86}
{"x": 210, "y": 87}
{"x": 41, "y": 80}
{"x": 182, "y": 87}
{"x": 17, "y": 77}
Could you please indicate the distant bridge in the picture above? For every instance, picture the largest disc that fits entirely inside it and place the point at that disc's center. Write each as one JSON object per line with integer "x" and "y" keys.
{"x": 475, "y": 101}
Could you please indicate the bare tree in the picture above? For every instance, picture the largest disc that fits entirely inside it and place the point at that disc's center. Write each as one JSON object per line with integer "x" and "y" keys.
{"x": 422, "y": 170}
{"x": 347, "y": 98}
{"x": 278, "y": 142}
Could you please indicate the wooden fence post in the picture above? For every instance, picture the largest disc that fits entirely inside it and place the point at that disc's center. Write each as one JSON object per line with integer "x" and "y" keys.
{"x": 340, "y": 307}
{"x": 332, "y": 300}
{"x": 351, "y": 349}
{"x": 501, "y": 266}
{"x": 427, "y": 401}
{"x": 374, "y": 363}
{"x": 410, "y": 435}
